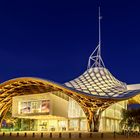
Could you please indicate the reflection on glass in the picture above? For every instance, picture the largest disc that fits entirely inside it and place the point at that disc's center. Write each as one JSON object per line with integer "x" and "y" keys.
{"x": 40, "y": 106}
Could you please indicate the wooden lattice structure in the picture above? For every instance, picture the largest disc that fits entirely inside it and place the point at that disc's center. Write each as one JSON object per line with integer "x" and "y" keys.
{"x": 88, "y": 91}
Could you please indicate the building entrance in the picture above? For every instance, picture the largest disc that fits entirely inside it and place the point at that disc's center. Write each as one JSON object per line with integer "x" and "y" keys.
{"x": 52, "y": 125}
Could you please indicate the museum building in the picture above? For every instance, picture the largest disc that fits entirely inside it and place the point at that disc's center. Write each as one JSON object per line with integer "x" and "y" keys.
{"x": 91, "y": 102}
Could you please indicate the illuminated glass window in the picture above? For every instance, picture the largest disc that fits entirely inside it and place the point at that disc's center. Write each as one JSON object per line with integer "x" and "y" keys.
{"x": 83, "y": 124}
{"x": 73, "y": 125}
{"x": 74, "y": 110}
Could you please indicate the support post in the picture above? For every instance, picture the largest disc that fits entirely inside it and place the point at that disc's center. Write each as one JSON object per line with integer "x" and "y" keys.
{"x": 89, "y": 119}
{"x": 94, "y": 118}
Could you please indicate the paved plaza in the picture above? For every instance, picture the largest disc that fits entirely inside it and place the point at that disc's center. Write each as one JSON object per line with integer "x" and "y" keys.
{"x": 65, "y": 136}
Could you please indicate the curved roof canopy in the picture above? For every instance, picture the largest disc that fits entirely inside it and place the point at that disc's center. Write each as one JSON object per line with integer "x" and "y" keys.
{"x": 99, "y": 82}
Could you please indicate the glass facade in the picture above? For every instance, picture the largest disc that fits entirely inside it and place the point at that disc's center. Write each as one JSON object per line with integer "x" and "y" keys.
{"x": 47, "y": 125}
{"x": 74, "y": 110}
{"x": 50, "y": 112}
{"x": 111, "y": 117}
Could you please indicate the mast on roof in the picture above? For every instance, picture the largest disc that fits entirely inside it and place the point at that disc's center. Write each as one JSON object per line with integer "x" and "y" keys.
{"x": 95, "y": 59}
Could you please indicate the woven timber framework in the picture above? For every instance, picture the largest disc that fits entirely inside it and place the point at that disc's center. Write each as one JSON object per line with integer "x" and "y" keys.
{"x": 25, "y": 86}
{"x": 92, "y": 93}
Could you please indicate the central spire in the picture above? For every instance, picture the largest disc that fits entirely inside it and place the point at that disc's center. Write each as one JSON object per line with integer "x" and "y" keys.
{"x": 99, "y": 19}
{"x": 95, "y": 59}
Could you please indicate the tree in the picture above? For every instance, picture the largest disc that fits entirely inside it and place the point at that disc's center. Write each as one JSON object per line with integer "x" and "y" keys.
{"x": 130, "y": 119}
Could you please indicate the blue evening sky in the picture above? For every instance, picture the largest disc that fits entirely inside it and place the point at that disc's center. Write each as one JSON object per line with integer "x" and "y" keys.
{"x": 52, "y": 39}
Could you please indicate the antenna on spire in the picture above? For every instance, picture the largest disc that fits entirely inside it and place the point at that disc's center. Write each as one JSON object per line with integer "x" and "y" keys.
{"x": 99, "y": 27}
{"x": 95, "y": 59}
